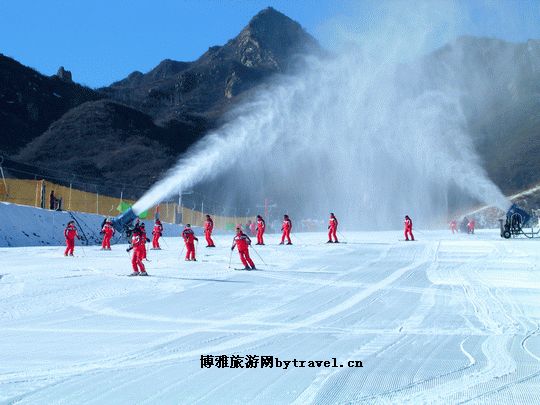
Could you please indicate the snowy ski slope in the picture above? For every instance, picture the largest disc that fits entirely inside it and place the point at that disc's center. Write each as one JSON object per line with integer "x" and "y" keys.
{"x": 21, "y": 225}
{"x": 447, "y": 319}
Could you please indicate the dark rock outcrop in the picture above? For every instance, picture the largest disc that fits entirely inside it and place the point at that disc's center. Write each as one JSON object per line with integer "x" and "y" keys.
{"x": 64, "y": 75}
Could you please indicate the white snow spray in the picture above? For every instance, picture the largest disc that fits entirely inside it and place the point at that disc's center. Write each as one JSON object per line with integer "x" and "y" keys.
{"x": 372, "y": 132}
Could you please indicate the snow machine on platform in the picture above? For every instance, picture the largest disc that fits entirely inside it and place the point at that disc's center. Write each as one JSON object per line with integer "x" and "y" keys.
{"x": 519, "y": 223}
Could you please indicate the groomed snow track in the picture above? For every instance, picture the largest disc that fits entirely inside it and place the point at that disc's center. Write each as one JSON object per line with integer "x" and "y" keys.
{"x": 448, "y": 319}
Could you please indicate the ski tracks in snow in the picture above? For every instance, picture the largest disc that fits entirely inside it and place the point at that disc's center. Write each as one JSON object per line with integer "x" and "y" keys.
{"x": 429, "y": 320}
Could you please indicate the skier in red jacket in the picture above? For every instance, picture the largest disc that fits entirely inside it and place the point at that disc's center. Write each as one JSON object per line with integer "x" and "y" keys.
{"x": 208, "y": 228}
{"x": 332, "y": 229}
{"x": 137, "y": 244}
{"x": 261, "y": 226}
{"x": 453, "y": 226}
{"x": 286, "y": 228}
{"x": 145, "y": 239}
{"x": 108, "y": 232}
{"x": 70, "y": 233}
{"x": 408, "y": 228}
{"x": 189, "y": 238}
{"x": 157, "y": 232}
{"x": 243, "y": 241}
{"x": 470, "y": 226}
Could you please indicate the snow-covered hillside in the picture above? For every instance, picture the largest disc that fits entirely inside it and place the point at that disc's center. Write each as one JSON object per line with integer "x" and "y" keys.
{"x": 22, "y": 225}
{"x": 445, "y": 319}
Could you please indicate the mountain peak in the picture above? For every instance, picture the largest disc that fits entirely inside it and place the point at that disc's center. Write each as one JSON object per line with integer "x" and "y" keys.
{"x": 270, "y": 22}
{"x": 270, "y": 15}
{"x": 270, "y": 39}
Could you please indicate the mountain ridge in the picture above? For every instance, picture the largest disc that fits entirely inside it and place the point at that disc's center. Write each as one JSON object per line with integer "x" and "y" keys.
{"x": 176, "y": 103}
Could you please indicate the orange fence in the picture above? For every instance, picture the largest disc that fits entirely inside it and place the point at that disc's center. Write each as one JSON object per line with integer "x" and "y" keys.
{"x": 37, "y": 193}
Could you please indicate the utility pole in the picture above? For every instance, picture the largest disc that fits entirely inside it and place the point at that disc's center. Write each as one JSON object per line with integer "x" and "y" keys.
{"x": 267, "y": 208}
{"x": 178, "y": 219}
{"x": 179, "y": 212}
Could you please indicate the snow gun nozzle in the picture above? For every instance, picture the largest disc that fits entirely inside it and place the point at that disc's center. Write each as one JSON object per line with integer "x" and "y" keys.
{"x": 122, "y": 221}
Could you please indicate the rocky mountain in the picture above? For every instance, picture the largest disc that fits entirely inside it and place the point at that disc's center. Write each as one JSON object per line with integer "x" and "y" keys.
{"x": 185, "y": 92}
{"x": 155, "y": 116}
{"x": 103, "y": 139}
{"x": 499, "y": 84}
{"x": 167, "y": 109}
{"x": 30, "y": 102}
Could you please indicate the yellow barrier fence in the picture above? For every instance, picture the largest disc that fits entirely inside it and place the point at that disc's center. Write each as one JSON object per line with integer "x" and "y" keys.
{"x": 37, "y": 193}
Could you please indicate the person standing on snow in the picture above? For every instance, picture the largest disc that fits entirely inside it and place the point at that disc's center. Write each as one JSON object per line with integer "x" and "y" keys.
{"x": 286, "y": 227}
{"x": 70, "y": 233}
{"x": 145, "y": 239}
{"x": 408, "y": 228}
{"x": 332, "y": 229}
{"x": 52, "y": 200}
{"x": 208, "y": 228}
{"x": 189, "y": 238}
{"x": 107, "y": 231}
{"x": 137, "y": 244}
{"x": 453, "y": 226}
{"x": 157, "y": 232}
{"x": 464, "y": 226}
{"x": 470, "y": 226}
{"x": 261, "y": 226}
{"x": 243, "y": 241}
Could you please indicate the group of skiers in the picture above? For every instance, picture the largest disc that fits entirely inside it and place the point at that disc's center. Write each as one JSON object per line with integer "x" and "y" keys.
{"x": 467, "y": 226}
{"x": 240, "y": 240}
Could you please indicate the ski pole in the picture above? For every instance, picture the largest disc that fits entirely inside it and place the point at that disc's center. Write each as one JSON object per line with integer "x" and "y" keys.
{"x": 341, "y": 236}
{"x": 230, "y": 260}
{"x": 255, "y": 250}
{"x": 182, "y": 251}
{"x": 166, "y": 244}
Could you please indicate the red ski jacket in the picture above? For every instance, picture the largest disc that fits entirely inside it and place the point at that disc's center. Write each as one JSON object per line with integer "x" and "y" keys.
{"x": 333, "y": 223}
{"x": 287, "y": 225}
{"x": 158, "y": 229}
{"x": 108, "y": 229}
{"x": 71, "y": 232}
{"x": 242, "y": 241}
{"x": 137, "y": 241}
{"x": 261, "y": 224}
{"x": 408, "y": 224}
{"x": 209, "y": 225}
{"x": 189, "y": 235}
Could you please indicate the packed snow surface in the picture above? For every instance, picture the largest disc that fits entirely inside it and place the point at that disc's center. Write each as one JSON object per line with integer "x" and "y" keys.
{"x": 446, "y": 319}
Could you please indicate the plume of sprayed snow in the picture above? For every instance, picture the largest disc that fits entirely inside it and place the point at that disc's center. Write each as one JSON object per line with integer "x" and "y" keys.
{"x": 362, "y": 133}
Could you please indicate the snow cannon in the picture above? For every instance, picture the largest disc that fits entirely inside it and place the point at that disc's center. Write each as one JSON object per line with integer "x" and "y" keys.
{"x": 518, "y": 222}
{"x": 123, "y": 221}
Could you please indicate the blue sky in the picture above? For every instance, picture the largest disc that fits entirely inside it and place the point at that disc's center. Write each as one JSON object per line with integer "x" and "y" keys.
{"x": 102, "y": 41}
